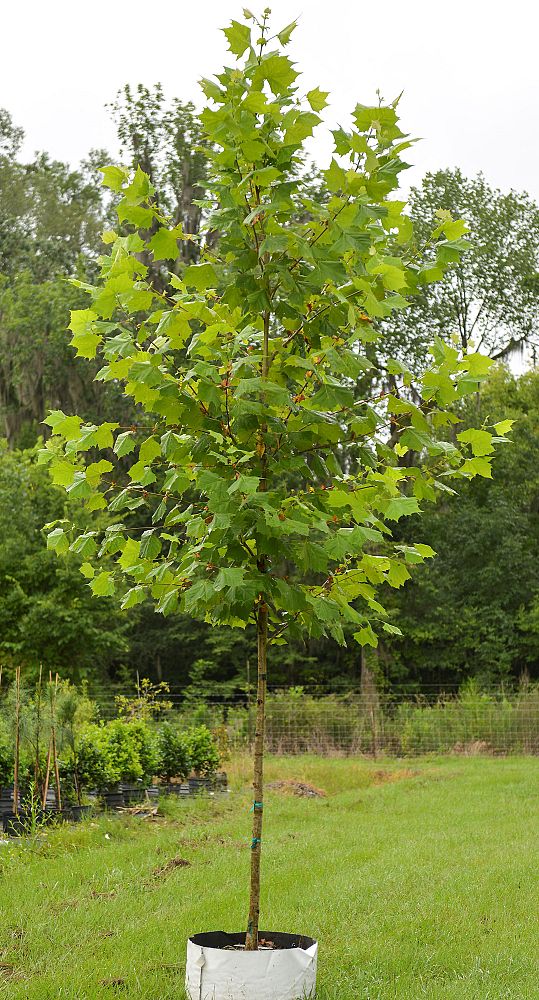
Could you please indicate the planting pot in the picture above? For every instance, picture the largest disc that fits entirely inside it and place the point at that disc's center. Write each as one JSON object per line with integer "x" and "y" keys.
{"x": 21, "y": 824}
{"x": 78, "y": 813}
{"x": 132, "y": 794}
{"x": 217, "y": 969}
{"x": 113, "y": 798}
{"x": 6, "y": 799}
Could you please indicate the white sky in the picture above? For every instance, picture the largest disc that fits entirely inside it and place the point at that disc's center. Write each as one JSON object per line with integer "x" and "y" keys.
{"x": 469, "y": 70}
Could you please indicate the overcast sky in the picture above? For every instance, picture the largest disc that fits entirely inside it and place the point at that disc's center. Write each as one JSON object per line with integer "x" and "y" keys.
{"x": 469, "y": 70}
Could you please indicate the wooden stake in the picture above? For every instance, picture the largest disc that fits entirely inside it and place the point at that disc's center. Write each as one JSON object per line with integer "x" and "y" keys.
{"x": 38, "y": 728}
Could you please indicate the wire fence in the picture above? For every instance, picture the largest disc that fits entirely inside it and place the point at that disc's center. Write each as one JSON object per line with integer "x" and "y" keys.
{"x": 373, "y": 724}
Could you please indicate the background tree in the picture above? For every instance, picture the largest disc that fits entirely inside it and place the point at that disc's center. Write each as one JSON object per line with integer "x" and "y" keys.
{"x": 165, "y": 140}
{"x": 472, "y": 611}
{"x": 46, "y": 613}
{"x": 490, "y": 296}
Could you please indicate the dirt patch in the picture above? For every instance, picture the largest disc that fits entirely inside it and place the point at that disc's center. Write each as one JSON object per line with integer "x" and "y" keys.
{"x": 404, "y": 774}
{"x": 300, "y": 788}
{"x": 170, "y": 866}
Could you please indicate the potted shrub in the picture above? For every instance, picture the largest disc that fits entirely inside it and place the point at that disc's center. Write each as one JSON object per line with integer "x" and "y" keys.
{"x": 126, "y": 772}
{"x": 92, "y": 761}
{"x": 204, "y": 757}
{"x": 173, "y": 757}
{"x": 282, "y": 444}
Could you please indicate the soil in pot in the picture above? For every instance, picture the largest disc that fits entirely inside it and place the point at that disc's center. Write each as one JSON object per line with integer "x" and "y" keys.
{"x": 219, "y": 968}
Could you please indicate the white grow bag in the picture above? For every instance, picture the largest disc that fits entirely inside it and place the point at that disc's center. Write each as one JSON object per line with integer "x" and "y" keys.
{"x": 217, "y": 973}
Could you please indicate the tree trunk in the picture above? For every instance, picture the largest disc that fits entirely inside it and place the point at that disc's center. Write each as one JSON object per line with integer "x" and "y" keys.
{"x": 251, "y": 939}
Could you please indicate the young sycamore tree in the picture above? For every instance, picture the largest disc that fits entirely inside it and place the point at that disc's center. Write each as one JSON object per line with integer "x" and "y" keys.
{"x": 227, "y": 500}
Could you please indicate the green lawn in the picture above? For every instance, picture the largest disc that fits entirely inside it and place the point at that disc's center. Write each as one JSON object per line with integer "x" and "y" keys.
{"x": 425, "y": 886}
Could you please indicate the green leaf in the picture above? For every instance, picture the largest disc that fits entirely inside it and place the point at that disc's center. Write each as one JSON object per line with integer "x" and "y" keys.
{"x": 503, "y": 427}
{"x": 57, "y": 541}
{"x": 480, "y": 441}
{"x": 317, "y": 99}
{"x": 134, "y": 596}
{"x": 164, "y": 245}
{"x": 150, "y": 545}
{"x": 285, "y": 34}
{"x": 125, "y": 443}
{"x": 114, "y": 177}
{"x": 476, "y": 467}
{"x": 67, "y": 427}
{"x": 476, "y": 364}
{"x": 265, "y": 176}
{"x": 366, "y": 637}
{"x": 86, "y": 344}
{"x": 200, "y": 276}
{"x": 279, "y": 72}
{"x": 149, "y": 449}
{"x": 401, "y": 507}
{"x": 62, "y": 473}
{"x": 238, "y": 36}
{"x": 103, "y": 585}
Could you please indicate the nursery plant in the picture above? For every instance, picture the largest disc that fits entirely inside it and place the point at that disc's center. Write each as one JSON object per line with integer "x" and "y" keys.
{"x": 173, "y": 758}
{"x": 202, "y": 751}
{"x": 261, "y": 483}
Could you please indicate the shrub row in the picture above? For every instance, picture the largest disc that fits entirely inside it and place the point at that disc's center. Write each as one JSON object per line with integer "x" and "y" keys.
{"x": 105, "y": 754}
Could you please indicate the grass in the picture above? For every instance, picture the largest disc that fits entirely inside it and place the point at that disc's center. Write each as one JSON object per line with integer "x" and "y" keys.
{"x": 419, "y": 879}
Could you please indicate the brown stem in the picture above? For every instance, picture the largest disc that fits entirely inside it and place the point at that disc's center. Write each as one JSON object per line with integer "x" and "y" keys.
{"x": 17, "y": 740}
{"x": 251, "y": 939}
{"x": 54, "y": 751}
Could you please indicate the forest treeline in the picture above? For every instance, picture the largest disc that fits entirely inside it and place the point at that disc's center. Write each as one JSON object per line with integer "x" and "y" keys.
{"x": 471, "y": 612}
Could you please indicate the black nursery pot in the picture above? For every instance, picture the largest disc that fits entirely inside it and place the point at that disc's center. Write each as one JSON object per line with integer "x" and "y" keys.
{"x": 19, "y": 825}
{"x": 78, "y": 813}
{"x": 113, "y": 798}
{"x": 132, "y": 794}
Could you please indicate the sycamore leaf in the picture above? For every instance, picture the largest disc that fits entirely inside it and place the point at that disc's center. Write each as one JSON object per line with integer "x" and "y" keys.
{"x": 164, "y": 244}
{"x": 103, "y": 585}
{"x": 200, "y": 276}
{"x": 265, "y": 176}
{"x": 125, "y": 443}
{"x": 397, "y": 574}
{"x": 230, "y": 578}
{"x": 366, "y": 637}
{"x": 150, "y": 546}
{"x": 480, "y": 441}
{"x": 476, "y": 364}
{"x": 279, "y": 72}
{"x": 401, "y": 507}
{"x": 503, "y": 427}
{"x": 86, "y": 344}
{"x": 62, "y": 473}
{"x": 57, "y": 541}
{"x": 67, "y": 427}
{"x": 134, "y": 596}
{"x": 238, "y": 37}
{"x": 114, "y": 177}
{"x": 285, "y": 34}
{"x": 317, "y": 99}
{"x": 476, "y": 467}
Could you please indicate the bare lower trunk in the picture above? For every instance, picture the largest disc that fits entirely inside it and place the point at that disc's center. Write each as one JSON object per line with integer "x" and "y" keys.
{"x": 251, "y": 939}
{"x": 17, "y": 740}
